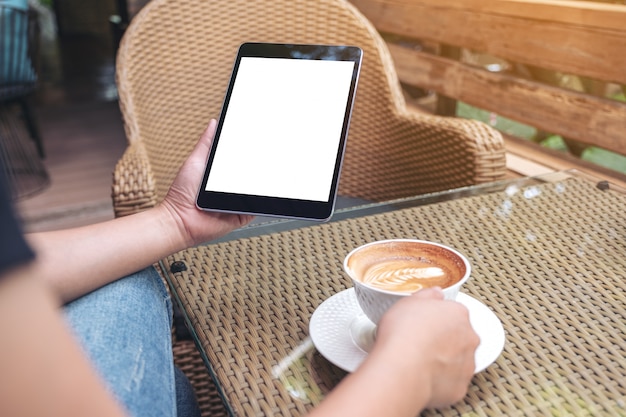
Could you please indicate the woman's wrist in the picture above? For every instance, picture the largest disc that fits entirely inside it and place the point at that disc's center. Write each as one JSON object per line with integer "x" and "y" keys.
{"x": 174, "y": 227}
{"x": 385, "y": 384}
{"x": 409, "y": 371}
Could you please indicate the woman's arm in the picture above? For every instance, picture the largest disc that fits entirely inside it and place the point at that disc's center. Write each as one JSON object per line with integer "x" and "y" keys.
{"x": 423, "y": 357}
{"x": 44, "y": 372}
{"x": 76, "y": 261}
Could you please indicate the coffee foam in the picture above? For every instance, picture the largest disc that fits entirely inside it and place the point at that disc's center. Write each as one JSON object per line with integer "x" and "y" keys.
{"x": 406, "y": 266}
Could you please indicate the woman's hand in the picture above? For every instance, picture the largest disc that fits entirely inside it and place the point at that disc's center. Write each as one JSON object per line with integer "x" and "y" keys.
{"x": 133, "y": 242}
{"x": 434, "y": 338}
{"x": 423, "y": 357}
{"x": 195, "y": 225}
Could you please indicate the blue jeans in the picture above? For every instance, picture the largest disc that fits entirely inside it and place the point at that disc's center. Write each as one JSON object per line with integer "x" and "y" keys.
{"x": 125, "y": 329}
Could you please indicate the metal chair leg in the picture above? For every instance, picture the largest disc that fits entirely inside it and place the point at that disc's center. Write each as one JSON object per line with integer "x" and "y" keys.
{"x": 31, "y": 124}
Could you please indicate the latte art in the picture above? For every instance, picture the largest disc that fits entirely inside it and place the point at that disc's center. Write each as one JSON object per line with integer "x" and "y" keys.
{"x": 386, "y": 271}
{"x": 405, "y": 266}
{"x": 407, "y": 275}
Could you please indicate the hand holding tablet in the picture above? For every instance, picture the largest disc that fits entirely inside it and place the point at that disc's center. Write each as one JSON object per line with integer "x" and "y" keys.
{"x": 281, "y": 135}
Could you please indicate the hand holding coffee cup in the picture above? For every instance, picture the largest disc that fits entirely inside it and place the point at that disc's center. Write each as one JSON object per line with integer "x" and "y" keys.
{"x": 385, "y": 271}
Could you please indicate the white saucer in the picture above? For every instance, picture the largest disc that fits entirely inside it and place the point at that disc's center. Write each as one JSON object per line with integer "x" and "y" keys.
{"x": 344, "y": 335}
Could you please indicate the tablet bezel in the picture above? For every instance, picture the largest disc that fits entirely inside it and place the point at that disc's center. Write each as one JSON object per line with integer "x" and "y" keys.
{"x": 276, "y": 206}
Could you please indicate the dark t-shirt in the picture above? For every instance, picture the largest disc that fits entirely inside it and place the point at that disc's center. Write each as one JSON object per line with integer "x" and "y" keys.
{"x": 13, "y": 248}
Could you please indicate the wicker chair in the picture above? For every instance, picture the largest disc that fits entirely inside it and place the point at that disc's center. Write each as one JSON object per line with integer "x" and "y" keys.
{"x": 173, "y": 67}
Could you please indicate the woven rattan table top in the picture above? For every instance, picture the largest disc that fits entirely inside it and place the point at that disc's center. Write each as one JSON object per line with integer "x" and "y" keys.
{"x": 548, "y": 258}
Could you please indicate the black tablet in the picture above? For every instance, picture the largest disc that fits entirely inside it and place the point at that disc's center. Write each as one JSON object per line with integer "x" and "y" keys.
{"x": 281, "y": 135}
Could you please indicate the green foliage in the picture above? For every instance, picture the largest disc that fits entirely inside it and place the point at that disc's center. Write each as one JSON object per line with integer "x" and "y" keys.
{"x": 555, "y": 142}
{"x": 605, "y": 158}
{"x": 503, "y": 124}
{"x": 619, "y": 97}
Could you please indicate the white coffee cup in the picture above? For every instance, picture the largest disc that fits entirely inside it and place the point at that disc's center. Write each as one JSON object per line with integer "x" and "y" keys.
{"x": 384, "y": 271}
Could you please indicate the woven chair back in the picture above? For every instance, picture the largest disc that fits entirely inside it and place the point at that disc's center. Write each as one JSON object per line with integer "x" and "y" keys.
{"x": 174, "y": 64}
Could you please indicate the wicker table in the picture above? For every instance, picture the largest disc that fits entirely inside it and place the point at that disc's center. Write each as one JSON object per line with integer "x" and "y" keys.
{"x": 548, "y": 257}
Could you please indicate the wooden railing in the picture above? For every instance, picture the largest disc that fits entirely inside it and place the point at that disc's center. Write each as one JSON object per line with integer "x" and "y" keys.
{"x": 430, "y": 40}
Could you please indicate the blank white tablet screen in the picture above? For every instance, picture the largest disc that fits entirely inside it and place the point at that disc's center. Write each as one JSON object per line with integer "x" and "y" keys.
{"x": 282, "y": 128}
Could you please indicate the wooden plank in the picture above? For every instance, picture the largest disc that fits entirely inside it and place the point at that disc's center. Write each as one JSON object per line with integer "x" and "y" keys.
{"x": 580, "y": 13}
{"x": 589, "y": 41}
{"x": 525, "y": 167}
{"x": 558, "y": 161}
{"x": 589, "y": 119}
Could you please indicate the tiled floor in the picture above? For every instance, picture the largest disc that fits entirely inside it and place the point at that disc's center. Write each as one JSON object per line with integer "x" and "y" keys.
{"x": 83, "y": 135}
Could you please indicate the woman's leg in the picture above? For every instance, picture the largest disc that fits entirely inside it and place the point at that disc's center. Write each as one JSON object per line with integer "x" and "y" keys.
{"x": 186, "y": 401}
{"x": 125, "y": 328}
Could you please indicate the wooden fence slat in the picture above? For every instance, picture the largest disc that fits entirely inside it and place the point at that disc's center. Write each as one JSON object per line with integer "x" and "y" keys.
{"x": 588, "y": 119}
{"x": 587, "y": 40}
{"x": 576, "y": 12}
